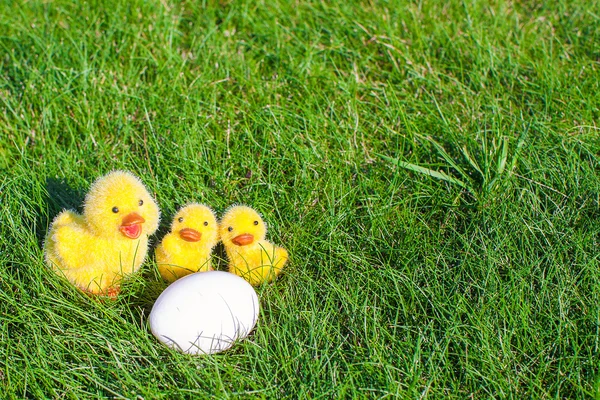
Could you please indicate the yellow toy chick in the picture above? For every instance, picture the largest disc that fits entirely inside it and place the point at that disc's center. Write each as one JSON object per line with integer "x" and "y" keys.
{"x": 250, "y": 256}
{"x": 188, "y": 247}
{"x": 110, "y": 240}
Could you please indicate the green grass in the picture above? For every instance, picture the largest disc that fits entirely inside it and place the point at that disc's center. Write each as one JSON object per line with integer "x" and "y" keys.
{"x": 432, "y": 168}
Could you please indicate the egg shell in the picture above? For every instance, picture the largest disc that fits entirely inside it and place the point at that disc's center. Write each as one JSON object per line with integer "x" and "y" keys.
{"x": 205, "y": 312}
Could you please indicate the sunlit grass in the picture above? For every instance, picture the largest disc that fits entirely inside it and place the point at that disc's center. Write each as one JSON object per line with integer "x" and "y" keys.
{"x": 431, "y": 167}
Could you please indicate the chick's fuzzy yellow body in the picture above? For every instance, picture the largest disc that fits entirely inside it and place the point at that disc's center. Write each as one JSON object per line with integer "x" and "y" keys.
{"x": 243, "y": 232}
{"x": 188, "y": 247}
{"x": 110, "y": 240}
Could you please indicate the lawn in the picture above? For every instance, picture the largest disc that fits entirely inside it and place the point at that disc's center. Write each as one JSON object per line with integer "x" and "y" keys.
{"x": 433, "y": 168}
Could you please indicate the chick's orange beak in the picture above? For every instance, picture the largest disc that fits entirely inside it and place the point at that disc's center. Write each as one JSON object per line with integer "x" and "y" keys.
{"x": 243, "y": 239}
{"x": 190, "y": 235}
{"x": 131, "y": 225}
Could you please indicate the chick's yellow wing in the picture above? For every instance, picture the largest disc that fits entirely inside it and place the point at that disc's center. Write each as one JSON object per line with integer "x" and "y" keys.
{"x": 273, "y": 259}
{"x": 281, "y": 257}
{"x": 68, "y": 217}
{"x": 67, "y": 241}
{"x": 272, "y": 255}
{"x": 168, "y": 258}
{"x": 168, "y": 249}
{"x": 258, "y": 264}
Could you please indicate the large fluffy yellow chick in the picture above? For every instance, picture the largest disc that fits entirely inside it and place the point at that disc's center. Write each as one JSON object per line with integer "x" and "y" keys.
{"x": 243, "y": 231}
{"x": 110, "y": 240}
{"x": 188, "y": 247}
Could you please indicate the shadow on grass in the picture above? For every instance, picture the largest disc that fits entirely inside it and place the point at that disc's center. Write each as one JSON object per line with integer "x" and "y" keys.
{"x": 141, "y": 297}
{"x": 60, "y": 196}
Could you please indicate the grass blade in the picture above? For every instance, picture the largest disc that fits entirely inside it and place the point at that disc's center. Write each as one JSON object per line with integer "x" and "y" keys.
{"x": 520, "y": 143}
{"x": 426, "y": 171}
{"x": 448, "y": 159}
{"x": 503, "y": 156}
{"x": 472, "y": 161}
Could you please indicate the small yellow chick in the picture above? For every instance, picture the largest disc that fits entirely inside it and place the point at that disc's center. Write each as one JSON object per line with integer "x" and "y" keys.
{"x": 110, "y": 240}
{"x": 243, "y": 231}
{"x": 188, "y": 247}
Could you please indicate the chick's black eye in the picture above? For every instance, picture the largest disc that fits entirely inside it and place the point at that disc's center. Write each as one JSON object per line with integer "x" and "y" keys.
{"x": 205, "y": 223}
{"x": 230, "y": 229}
{"x": 255, "y": 222}
{"x": 115, "y": 209}
{"x": 141, "y": 202}
{"x": 180, "y": 219}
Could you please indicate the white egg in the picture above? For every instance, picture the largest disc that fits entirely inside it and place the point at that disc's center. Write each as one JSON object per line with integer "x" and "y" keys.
{"x": 205, "y": 312}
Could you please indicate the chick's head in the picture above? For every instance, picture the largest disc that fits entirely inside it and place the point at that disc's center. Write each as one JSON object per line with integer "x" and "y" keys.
{"x": 118, "y": 205}
{"x": 195, "y": 223}
{"x": 241, "y": 226}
